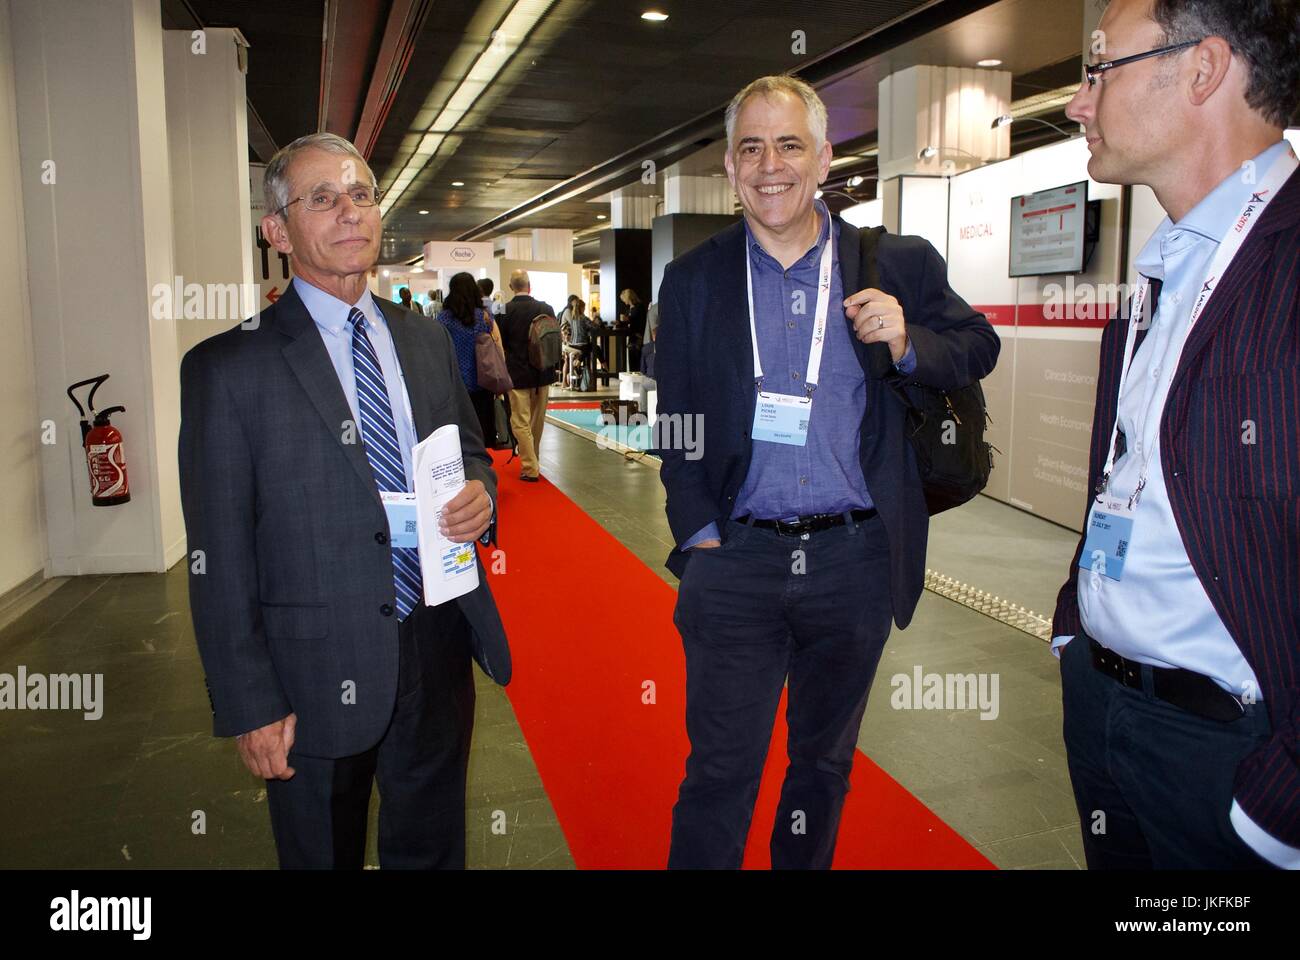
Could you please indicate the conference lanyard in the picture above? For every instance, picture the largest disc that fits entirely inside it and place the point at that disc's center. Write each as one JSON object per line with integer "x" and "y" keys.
{"x": 819, "y": 318}
{"x": 1228, "y": 249}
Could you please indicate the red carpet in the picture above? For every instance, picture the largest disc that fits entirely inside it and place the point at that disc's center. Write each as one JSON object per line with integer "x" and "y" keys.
{"x": 610, "y": 763}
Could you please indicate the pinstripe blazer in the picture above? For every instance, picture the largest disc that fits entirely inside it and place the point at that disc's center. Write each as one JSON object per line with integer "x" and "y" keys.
{"x": 1237, "y": 504}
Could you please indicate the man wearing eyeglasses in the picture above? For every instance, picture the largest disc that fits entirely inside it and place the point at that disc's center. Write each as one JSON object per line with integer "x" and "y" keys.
{"x": 321, "y": 658}
{"x": 1178, "y": 628}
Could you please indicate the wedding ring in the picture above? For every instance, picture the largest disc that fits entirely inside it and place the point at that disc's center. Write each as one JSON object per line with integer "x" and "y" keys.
{"x": 880, "y": 322}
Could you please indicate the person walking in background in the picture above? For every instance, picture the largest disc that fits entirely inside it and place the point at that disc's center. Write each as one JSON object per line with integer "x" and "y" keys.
{"x": 485, "y": 288}
{"x": 404, "y": 298}
{"x": 532, "y": 386}
{"x": 636, "y": 317}
{"x": 464, "y": 317}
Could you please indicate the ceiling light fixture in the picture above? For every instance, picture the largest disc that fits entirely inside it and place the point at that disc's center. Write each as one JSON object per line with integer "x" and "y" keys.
{"x": 505, "y": 42}
{"x": 1006, "y": 118}
{"x": 600, "y": 216}
{"x": 424, "y": 213}
{"x": 989, "y": 63}
{"x": 655, "y": 16}
{"x": 458, "y": 183}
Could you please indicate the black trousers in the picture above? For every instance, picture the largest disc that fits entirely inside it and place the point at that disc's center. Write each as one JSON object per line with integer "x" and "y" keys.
{"x": 1152, "y": 782}
{"x": 319, "y": 815}
{"x": 758, "y": 609}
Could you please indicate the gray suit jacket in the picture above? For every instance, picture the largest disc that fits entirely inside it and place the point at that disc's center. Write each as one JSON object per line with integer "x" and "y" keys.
{"x": 292, "y": 597}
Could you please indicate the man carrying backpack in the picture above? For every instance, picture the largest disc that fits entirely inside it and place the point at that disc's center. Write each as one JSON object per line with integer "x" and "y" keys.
{"x": 531, "y": 336}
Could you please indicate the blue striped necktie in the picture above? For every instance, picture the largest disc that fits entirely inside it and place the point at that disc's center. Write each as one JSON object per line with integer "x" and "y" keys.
{"x": 379, "y": 436}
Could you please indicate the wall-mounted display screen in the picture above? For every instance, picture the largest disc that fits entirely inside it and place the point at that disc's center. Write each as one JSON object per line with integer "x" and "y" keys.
{"x": 1048, "y": 231}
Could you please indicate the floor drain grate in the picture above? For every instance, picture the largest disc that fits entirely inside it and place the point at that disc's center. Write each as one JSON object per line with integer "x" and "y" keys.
{"x": 1000, "y": 610}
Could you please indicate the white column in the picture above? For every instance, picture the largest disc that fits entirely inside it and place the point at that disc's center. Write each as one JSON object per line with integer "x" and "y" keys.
{"x": 628, "y": 211}
{"x": 97, "y": 216}
{"x": 552, "y": 245}
{"x": 949, "y": 109}
{"x": 514, "y": 247}
{"x": 21, "y": 516}
{"x": 207, "y": 139}
{"x": 686, "y": 194}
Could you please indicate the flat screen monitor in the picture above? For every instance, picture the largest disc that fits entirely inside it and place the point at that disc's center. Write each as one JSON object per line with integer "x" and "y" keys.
{"x": 1049, "y": 231}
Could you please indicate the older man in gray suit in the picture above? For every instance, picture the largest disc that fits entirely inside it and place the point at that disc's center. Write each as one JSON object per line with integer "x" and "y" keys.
{"x": 321, "y": 656}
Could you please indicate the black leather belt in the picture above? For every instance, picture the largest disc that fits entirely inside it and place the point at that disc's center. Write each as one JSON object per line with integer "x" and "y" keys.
{"x": 810, "y": 524}
{"x": 1185, "y": 689}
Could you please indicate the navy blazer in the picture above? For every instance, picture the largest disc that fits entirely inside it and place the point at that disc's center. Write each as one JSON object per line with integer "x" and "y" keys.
{"x": 1237, "y": 504}
{"x": 294, "y": 597}
{"x": 705, "y": 365}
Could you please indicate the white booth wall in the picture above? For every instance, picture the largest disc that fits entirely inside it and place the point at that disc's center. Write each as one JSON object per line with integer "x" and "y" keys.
{"x": 1042, "y": 392}
{"x": 552, "y": 280}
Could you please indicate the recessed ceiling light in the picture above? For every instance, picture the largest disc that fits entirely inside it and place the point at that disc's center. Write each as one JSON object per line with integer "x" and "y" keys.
{"x": 423, "y": 212}
{"x": 654, "y": 15}
{"x": 458, "y": 183}
{"x": 989, "y": 63}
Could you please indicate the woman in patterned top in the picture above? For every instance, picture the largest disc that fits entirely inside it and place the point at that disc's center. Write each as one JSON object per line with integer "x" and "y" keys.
{"x": 464, "y": 317}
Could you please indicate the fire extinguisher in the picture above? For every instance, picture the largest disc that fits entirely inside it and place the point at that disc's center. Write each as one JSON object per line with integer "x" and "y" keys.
{"x": 102, "y": 443}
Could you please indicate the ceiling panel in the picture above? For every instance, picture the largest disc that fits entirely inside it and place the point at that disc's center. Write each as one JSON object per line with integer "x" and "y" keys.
{"x": 593, "y": 81}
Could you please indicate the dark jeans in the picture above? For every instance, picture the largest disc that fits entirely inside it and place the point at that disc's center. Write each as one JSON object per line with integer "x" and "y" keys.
{"x": 319, "y": 815}
{"x": 1153, "y": 782}
{"x": 751, "y": 612}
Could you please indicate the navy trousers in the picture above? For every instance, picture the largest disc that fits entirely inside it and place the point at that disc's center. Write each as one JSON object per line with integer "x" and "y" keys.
{"x": 319, "y": 816}
{"x": 753, "y": 612}
{"x": 1153, "y": 782}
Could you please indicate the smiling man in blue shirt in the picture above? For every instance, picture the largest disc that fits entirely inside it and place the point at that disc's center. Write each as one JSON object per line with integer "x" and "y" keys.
{"x": 1177, "y": 628}
{"x": 801, "y": 529}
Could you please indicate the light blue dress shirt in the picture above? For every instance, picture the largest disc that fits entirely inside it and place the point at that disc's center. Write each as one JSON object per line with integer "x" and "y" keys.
{"x": 1159, "y": 613}
{"x": 331, "y": 317}
{"x": 825, "y": 475}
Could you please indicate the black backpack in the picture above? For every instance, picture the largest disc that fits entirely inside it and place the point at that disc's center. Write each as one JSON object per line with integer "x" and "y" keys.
{"x": 946, "y": 427}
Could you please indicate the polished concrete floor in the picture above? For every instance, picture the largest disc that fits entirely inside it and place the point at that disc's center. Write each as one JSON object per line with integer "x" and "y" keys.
{"x": 148, "y": 786}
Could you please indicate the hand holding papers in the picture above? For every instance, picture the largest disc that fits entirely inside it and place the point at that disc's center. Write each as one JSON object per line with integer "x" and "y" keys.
{"x": 450, "y": 569}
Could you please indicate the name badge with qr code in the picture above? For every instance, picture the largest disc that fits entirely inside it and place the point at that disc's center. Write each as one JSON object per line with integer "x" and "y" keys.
{"x": 781, "y": 418}
{"x": 1110, "y": 530}
{"x": 403, "y": 521}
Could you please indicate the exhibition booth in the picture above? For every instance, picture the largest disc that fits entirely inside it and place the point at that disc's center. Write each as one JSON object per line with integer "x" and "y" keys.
{"x": 1047, "y": 255}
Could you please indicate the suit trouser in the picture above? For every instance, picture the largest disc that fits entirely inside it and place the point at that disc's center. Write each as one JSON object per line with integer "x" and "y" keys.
{"x": 1152, "y": 782}
{"x": 527, "y": 418}
{"x": 758, "y": 609}
{"x": 319, "y": 815}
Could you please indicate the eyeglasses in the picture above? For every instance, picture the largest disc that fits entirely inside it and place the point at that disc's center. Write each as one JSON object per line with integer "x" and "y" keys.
{"x": 325, "y": 199}
{"x": 1091, "y": 71}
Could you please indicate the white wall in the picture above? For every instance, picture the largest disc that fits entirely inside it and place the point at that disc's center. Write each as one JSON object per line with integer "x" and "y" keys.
{"x": 207, "y": 138}
{"x": 21, "y": 516}
{"x": 1041, "y": 395}
{"x": 923, "y": 210}
{"x": 98, "y": 240}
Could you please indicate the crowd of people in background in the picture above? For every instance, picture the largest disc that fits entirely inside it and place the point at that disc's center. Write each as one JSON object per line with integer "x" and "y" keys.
{"x": 513, "y": 418}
